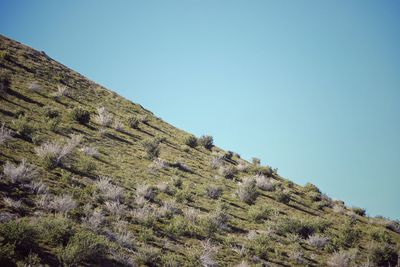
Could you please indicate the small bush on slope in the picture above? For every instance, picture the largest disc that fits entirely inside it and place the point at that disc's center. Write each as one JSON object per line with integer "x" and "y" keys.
{"x": 265, "y": 183}
{"x": 282, "y": 196}
{"x": 103, "y": 117}
{"x": 227, "y": 171}
{"x": 347, "y": 237}
{"x": 5, "y": 81}
{"x": 62, "y": 90}
{"x": 247, "y": 190}
{"x": 309, "y": 187}
{"x": 50, "y": 112}
{"x": 341, "y": 259}
{"x": 213, "y": 191}
{"x": 24, "y": 127}
{"x": 108, "y": 190}
{"x": 191, "y": 141}
{"x": 5, "y": 134}
{"x": 258, "y": 214}
{"x": 62, "y": 204}
{"x": 359, "y": 211}
{"x": 20, "y": 237}
{"x": 133, "y": 122}
{"x": 206, "y": 141}
{"x": 80, "y": 115}
{"x": 21, "y": 173}
{"x": 152, "y": 148}
{"x": 318, "y": 241}
{"x": 82, "y": 247}
{"x": 383, "y": 254}
{"x": 303, "y": 228}
{"x": 54, "y": 154}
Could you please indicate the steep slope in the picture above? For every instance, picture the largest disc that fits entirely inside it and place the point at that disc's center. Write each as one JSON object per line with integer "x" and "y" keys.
{"x": 90, "y": 178}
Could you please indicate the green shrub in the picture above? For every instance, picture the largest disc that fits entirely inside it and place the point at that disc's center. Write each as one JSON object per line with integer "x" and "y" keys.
{"x": 206, "y": 141}
{"x": 54, "y": 230}
{"x": 348, "y": 236}
{"x": 191, "y": 141}
{"x": 184, "y": 195}
{"x": 180, "y": 226}
{"x": 149, "y": 256}
{"x": 80, "y": 115}
{"x": 259, "y": 245}
{"x": 20, "y": 234}
{"x": 309, "y": 187}
{"x": 51, "y": 113}
{"x": 177, "y": 181}
{"x": 314, "y": 196}
{"x": 24, "y": 127}
{"x": 214, "y": 222}
{"x": 152, "y": 148}
{"x": 213, "y": 191}
{"x": 53, "y": 124}
{"x": 259, "y": 170}
{"x": 256, "y": 161}
{"x": 381, "y": 236}
{"x": 227, "y": 171}
{"x": 171, "y": 260}
{"x": 282, "y": 197}
{"x": 295, "y": 226}
{"x": 133, "y": 122}
{"x": 383, "y": 255}
{"x": 86, "y": 165}
{"x": 228, "y": 155}
{"x": 5, "y": 81}
{"x": 83, "y": 247}
{"x": 258, "y": 214}
{"x": 7, "y": 254}
{"x": 359, "y": 211}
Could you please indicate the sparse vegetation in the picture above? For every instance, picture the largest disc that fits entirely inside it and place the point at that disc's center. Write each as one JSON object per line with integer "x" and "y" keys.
{"x": 125, "y": 188}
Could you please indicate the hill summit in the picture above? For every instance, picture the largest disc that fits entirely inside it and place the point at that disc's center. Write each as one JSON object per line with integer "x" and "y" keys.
{"x": 89, "y": 178}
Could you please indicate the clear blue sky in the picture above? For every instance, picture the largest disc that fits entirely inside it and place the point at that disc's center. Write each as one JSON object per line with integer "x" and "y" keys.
{"x": 310, "y": 87}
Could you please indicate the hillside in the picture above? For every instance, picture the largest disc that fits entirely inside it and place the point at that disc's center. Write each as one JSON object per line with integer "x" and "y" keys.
{"x": 90, "y": 178}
